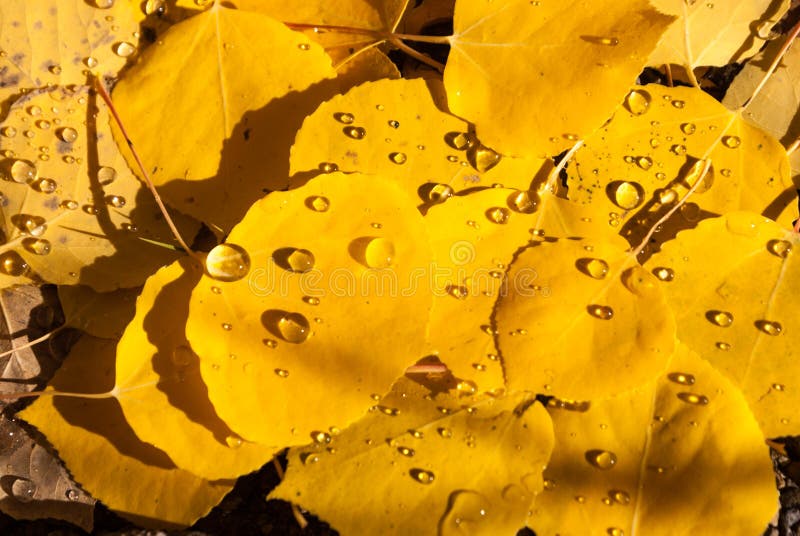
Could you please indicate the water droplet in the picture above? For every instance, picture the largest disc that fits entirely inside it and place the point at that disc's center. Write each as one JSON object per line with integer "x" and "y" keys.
{"x": 769, "y": 327}
{"x": 682, "y": 378}
{"x": 91, "y": 62}
{"x": 233, "y": 441}
{"x": 549, "y": 484}
{"x": 344, "y": 117}
{"x": 620, "y": 496}
{"x": 444, "y": 432}
{"x": 116, "y": 201}
{"x": 294, "y": 328}
{"x": 328, "y": 167}
{"x": 667, "y": 196}
{"x": 379, "y": 253}
{"x": 9, "y": 132}
{"x": 601, "y": 459}
{"x": 466, "y": 387}
{"x": 227, "y": 262}
{"x": 644, "y": 162}
{"x": 394, "y": 124}
{"x": 678, "y": 149}
{"x": 603, "y": 312}
{"x": 318, "y": 203}
{"x": 37, "y": 246}
{"x": 440, "y": 193}
{"x": 270, "y": 343}
{"x": 614, "y": 531}
{"x": 398, "y": 158}
{"x": 357, "y": 133}
{"x": 457, "y": 291}
{"x": 467, "y": 513}
{"x": 596, "y": 268}
{"x": 124, "y": 49}
{"x": 483, "y": 158}
{"x": 637, "y": 101}
{"x": 23, "y": 171}
{"x": 627, "y": 195}
{"x": 654, "y": 143}
{"x": 678, "y": 103}
{"x": 304, "y": 46}
{"x": 68, "y": 134}
{"x": 724, "y": 346}
{"x": 498, "y": 215}
{"x": 321, "y": 438}
{"x": 422, "y": 476}
{"x": 692, "y": 398}
{"x": 300, "y": 260}
{"x": 452, "y": 158}
{"x": 695, "y": 173}
{"x": 281, "y": 373}
{"x": 462, "y": 141}
{"x": 779, "y": 248}
{"x": 34, "y": 111}
{"x": 227, "y": 326}
{"x": 23, "y": 489}
{"x": 309, "y": 458}
{"x": 106, "y": 175}
{"x": 46, "y": 186}
{"x": 778, "y": 386}
{"x": 12, "y": 264}
{"x": 731, "y": 142}
{"x": 405, "y": 451}
{"x": 181, "y": 356}
{"x": 722, "y": 319}
{"x": 103, "y": 4}
{"x": 311, "y": 300}
{"x": 157, "y": 7}
{"x": 72, "y": 495}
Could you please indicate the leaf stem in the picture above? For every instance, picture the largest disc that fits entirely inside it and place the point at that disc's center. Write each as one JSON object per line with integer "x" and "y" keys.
{"x": 51, "y": 392}
{"x": 774, "y": 65}
{"x": 298, "y": 515}
{"x": 688, "y": 44}
{"x": 417, "y": 55}
{"x": 146, "y": 176}
{"x": 33, "y": 342}
{"x": 439, "y": 368}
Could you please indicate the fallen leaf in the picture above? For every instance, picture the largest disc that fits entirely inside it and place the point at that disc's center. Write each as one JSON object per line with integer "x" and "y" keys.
{"x": 423, "y": 470}
{"x": 680, "y": 455}
{"x": 535, "y": 77}
{"x": 602, "y": 310}
{"x": 732, "y": 284}
{"x": 100, "y": 314}
{"x": 214, "y": 62}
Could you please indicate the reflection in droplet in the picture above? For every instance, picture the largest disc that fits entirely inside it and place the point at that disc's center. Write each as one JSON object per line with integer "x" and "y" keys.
{"x": 440, "y": 193}
{"x": 300, "y": 260}
{"x": 379, "y": 253}
{"x": 233, "y": 442}
{"x": 23, "y": 171}
{"x": 68, "y": 134}
{"x": 627, "y": 195}
{"x": 294, "y": 328}
{"x": 227, "y": 262}
{"x": 779, "y": 248}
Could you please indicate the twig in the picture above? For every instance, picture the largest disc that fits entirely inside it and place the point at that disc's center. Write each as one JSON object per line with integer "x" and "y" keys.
{"x": 773, "y": 65}
{"x": 298, "y": 515}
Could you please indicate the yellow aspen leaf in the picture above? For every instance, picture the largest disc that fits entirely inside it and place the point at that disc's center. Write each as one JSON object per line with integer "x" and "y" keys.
{"x": 343, "y": 47}
{"x": 101, "y": 314}
{"x": 603, "y": 311}
{"x": 103, "y": 453}
{"x": 159, "y": 387}
{"x": 369, "y": 65}
{"x": 680, "y": 455}
{"x": 719, "y": 32}
{"x": 395, "y": 129}
{"x": 536, "y": 76}
{"x": 334, "y": 307}
{"x": 73, "y": 213}
{"x": 644, "y": 161}
{"x": 432, "y": 468}
{"x": 474, "y": 238}
{"x": 769, "y": 108}
{"x": 732, "y": 283}
{"x": 254, "y": 80}
{"x": 55, "y": 42}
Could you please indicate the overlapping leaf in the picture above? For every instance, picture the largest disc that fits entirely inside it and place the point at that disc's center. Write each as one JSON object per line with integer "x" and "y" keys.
{"x": 732, "y": 283}
{"x": 214, "y": 165}
{"x": 427, "y": 466}
{"x": 72, "y": 212}
{"x": 681, "y": 455}
{"x": 535, "y": 77}
{"x": 315, "y": 321}
{"x": 101, "y": 314}
{"x": 645, "y": 160}
{"x": 104, "y": 454}
{"x": 602, "y": 310}
{"x": 715, "y": 33}
{"x": 159, "y": 387}
{"x": 395, "y": 129}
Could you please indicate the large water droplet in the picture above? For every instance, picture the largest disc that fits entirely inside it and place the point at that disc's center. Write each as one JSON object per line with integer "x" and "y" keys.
{"x": 779, "y": 248}
{"x": 626, "y": 195}
{"x": 620, "y": 496}
{"x": 318, "y": 203}
{"x": 321, "y": 438}
{"x": 769, "y": 327}
{"x": 328, "y": 167}
{"x": 663, "y": 273}
{"x": 379, "y": 253}
{"x": 722, "y": 319}
{"x": 695, "y": 174}
{"x": 498, "y": 215}
{"x": 68, "y": 134}
{"x": 637, "y": 280}
{"x": 124, "y": 49}
{"x": 683, "y": 378}
{"x": 106, "y": 175}
{"x": 37, "y": 246}
{"x": 23, "y": 171}
{"x": 422, "y": 476}
{"x": 692, "y": 398}
{"x": 300, "y": 260}
{"x": 644, "y": 162}
{"x": 398, "y": 158}
{"x": 731, "y": 142}
{"x": 344, "y": 117}
{"x": 103, "y": 4}
{"x": 12, "y": 264}
{"x": 157, "y": 7}
{"x": 227, "y": 262}
{"x": 461, "y": 141}
{"x": 357, "y": 133}
{"x": 615, "y": 531}
{"x": 637, "y": 101}
{"x": 596, "y": 268}
{"x": 23, "y": 489}
{"x": 688, "y": 128}
{"x": 439, "y": 193}
{"x": 116, "y": 201}
{"x": 601, "y": 459}
{"x": 294, "y": 328}
{"x": 523, "y": 202}
{"x": 743, "y": 223}
{"x": 468, "y": 513}
{"x": 603, "y": 312}
{"x": 483, "y": 158}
